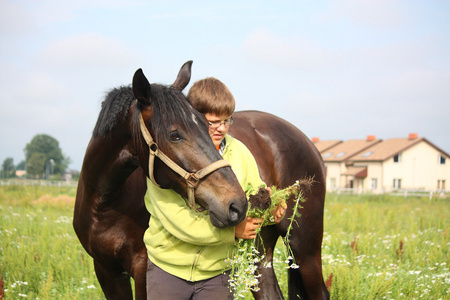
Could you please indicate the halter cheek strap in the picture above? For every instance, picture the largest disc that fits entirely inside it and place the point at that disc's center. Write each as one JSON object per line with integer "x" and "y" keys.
{"x": 192, "y": 179}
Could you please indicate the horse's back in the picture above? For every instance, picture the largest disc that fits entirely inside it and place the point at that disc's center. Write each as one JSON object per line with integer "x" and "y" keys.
{"x": 283, "y": 152}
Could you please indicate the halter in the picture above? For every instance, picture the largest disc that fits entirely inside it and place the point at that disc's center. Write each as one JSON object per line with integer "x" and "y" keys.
{"x": 192, "y": 179}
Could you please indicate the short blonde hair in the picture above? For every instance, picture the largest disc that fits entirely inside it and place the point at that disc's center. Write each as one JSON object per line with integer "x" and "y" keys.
{"x": 210, "y": 95}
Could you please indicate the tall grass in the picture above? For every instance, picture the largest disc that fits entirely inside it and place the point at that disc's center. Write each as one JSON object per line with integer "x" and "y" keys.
{"x": 382, "y": 247}
{"x": 40, "y": 256}
{"x": 375, "y": 247}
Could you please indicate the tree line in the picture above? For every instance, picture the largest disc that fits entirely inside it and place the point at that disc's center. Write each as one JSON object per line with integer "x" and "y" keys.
{"x": 44, "y": 159}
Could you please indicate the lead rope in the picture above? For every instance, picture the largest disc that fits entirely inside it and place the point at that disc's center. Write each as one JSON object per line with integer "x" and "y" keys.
{"x": 192, "y": 179}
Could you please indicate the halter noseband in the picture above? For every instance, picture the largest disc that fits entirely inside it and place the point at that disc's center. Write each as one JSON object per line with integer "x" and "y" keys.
{"x": 192, "y": 179}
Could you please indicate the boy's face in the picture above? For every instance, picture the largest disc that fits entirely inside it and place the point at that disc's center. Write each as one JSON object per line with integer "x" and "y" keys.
{"x": 218, "y": 127}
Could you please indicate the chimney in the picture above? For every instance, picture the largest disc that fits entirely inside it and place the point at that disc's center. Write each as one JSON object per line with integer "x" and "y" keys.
{"x": 370, "y": 138}
{"x": 315, "y": 139}
{"x": 412, "y": 136}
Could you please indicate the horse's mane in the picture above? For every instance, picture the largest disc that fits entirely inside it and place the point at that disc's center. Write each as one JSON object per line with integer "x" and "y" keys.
{"x": 116, "y": 105}
{"x": 169, "y": 106}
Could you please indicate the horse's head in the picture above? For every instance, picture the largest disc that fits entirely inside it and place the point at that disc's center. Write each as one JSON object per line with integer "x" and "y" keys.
{"x": 182, "y": 155}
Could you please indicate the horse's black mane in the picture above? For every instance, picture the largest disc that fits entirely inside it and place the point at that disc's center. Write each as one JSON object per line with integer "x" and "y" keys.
{"x": 169, "y": 106}
{"x": 116, "y": 104}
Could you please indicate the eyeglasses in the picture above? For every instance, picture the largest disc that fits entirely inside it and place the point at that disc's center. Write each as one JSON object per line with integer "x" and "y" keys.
{"x": 226, "y": 123}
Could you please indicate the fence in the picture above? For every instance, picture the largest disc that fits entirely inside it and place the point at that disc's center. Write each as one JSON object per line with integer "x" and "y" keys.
{"x": 28, "y": 182}
{"x": 400, "y": 193}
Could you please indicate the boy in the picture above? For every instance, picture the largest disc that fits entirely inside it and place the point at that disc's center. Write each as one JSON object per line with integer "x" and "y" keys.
{"x": 180, "y": 266}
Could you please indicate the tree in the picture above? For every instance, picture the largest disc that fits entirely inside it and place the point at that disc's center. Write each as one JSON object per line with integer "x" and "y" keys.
{"x": 52, "y": 156}
{"x": 21, "y": 165}
{"x": 8, "y": 169}
{"x": 36, "y": 164}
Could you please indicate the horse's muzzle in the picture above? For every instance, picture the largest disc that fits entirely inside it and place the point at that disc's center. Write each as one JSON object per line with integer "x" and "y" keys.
{"x": 232, "y": 216}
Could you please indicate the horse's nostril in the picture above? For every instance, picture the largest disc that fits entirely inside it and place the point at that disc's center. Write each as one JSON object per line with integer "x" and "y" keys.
{"x": 234, "y": 213}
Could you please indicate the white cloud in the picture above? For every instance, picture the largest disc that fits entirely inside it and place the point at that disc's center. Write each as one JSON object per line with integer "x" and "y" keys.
{"x": 88, "y": 50}
{"x": 292, "y": 52}
{"x": 371, "y": 13}
{"x": 14, "y": 20}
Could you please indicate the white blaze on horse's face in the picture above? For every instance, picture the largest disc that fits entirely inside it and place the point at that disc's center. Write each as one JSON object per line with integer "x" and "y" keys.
{"x": 194, "y": 118}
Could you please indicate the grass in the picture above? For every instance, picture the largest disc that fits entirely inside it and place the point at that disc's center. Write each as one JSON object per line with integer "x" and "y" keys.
{"x": 40, "y": 256}
{"x": 375, "y": 247}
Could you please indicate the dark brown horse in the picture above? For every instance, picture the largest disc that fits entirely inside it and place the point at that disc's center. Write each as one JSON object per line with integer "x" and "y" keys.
{"x": 110, "y": 217}
{"x": 284, "y": 154}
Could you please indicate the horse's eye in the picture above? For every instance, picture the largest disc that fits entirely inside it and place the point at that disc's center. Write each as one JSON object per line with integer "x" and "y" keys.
{"x": 175, "y": 136}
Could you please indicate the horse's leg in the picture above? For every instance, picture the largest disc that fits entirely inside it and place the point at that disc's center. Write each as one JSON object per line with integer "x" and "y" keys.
{"x": 307, "y": 282}
{"x": 139, "y": 271}
{"x": 306, "y": 245}
{"x": 268, "y": 284}
{"x": 115, "y": 284}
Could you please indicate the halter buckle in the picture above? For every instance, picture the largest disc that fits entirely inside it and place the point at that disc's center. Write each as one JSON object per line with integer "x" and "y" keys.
{"x": 192, "y": 181}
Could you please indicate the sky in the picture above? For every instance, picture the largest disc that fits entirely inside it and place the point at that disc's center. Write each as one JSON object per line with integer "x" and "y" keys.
{"x": 337, "y": 70}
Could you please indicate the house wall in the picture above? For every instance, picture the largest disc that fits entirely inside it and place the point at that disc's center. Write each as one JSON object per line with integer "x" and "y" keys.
{"x": 333, "y": 174}
{"x": 418, "y": 168}
{"x": 374, "y": 172}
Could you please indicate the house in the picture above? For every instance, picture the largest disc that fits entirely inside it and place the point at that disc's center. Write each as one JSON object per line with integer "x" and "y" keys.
{"x": 324, "y": 145}
{"x": 335, "y": 159}
{"x": 377, "y": 166}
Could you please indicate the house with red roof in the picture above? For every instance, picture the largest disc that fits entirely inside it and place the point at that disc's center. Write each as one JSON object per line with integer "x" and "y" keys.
{"x": 375, "y": 165}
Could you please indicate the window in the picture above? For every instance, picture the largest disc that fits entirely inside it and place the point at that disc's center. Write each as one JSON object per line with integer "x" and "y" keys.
{"x": 441, "y": 184}
{"x": 397, "y": 184}
{"x": 340, "y": 154}
{"x": 327, "y": 154}
{"x": 373, "y": 183}
{"x": 333, "y": 182}
{"x": 398, "y": 158}
{"x": 367, "y": 154}
{"x": 441, "y": 160}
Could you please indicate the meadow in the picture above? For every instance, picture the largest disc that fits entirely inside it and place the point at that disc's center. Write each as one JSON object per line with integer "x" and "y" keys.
{"x": 374, "y": 247}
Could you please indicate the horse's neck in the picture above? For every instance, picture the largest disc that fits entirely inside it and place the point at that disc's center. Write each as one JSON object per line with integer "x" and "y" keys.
{"x": 107, "y": 166}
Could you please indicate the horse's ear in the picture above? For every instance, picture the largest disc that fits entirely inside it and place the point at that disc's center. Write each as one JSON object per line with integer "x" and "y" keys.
{"x": 184, "y": 76}
{"x": 141, "y": 88}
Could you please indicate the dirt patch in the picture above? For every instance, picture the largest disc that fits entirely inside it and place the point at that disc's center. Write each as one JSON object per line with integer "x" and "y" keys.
{"x": 47, "y": 199}
{"x": 260, "y": 200}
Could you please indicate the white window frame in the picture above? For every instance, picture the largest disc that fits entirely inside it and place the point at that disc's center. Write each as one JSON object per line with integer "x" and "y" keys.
{"x": 373, "y": 183}
{"x": 399, "y": 158}
{"x": 332, "y": 182}
{"x": 441, "y": 184}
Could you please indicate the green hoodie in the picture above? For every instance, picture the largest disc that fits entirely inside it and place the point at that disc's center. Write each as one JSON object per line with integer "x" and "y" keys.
{"x": 182, "y": 241}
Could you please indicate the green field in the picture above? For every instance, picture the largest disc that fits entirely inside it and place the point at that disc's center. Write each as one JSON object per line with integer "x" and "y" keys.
{"x": 375, "y": 247}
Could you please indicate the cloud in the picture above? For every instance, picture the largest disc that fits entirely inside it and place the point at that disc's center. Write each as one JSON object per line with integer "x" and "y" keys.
{"x": 370, "y": 13}
{"x": 291, "y": 52}
{"x": 86, "y": 51}
{"x": 15, "y": 20}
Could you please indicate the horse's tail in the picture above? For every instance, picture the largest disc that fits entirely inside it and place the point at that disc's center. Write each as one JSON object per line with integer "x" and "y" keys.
{"x": 297, "y": 289}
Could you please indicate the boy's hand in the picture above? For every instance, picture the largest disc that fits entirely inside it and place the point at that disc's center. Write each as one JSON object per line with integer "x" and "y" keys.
{"x": 278, "y": 212}
{"x": 247, "y": 228}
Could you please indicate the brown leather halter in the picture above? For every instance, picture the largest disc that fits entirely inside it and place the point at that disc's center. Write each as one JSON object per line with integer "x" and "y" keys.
{"x": 192, "y": 179}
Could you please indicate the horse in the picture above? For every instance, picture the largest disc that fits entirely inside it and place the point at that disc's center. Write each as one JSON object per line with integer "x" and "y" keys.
{"x": 284, "y": 155}
{"x": 110, "y": 217}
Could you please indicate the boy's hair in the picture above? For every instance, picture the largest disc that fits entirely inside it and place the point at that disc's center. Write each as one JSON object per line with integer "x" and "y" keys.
{"x": 210, "y": 95}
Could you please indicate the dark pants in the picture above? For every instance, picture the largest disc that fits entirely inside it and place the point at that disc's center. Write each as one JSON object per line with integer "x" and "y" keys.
{"x": 162, "y": 285}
